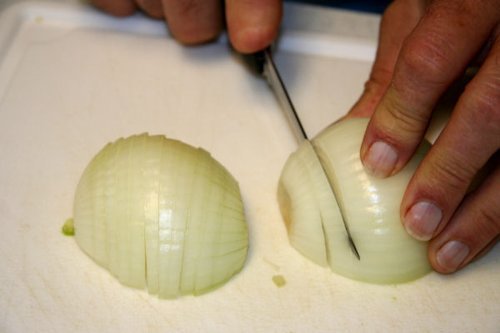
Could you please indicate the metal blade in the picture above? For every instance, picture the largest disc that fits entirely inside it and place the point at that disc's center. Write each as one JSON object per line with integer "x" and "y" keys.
{"x": 273, "y": 77}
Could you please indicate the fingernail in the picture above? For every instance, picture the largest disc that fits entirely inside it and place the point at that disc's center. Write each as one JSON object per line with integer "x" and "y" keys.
{"x": 381, "y": 159}
{"x": 451, "y": 255}
{"x": 422, "y": 220}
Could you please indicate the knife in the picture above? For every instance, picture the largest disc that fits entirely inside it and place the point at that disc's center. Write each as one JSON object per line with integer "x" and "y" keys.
{"x": 263, "y": 64}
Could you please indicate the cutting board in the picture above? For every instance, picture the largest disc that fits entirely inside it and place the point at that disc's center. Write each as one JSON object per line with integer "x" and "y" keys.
{"x": 72, "y": 79}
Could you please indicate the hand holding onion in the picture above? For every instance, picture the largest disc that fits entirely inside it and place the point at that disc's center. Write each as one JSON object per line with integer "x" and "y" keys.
{"x": 424, "y": 47}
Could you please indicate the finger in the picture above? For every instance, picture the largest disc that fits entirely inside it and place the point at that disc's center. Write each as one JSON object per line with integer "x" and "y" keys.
{"x": 435, "y": 54}
{"x": 194, "y": 21}
{"x": 114, "y": 7}
{"x": 153, "y": 8}
{"x": 475, "y": 227}
{"x": 399, "y": 19}
{"x": 468, "y": 141}
{"x": 253, "y": 24}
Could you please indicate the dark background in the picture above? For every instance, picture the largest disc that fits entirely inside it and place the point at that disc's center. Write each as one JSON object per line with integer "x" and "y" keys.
{"x": 372, "y": 6}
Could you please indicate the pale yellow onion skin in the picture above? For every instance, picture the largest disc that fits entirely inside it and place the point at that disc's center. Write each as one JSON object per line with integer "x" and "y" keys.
{"x": 162, "y": 215}
{"x": 371, "y": 205}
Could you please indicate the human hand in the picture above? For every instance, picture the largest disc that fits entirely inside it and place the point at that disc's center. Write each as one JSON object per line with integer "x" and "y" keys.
{"x": 424, "y": 47}
{"x": 251, "y": 24}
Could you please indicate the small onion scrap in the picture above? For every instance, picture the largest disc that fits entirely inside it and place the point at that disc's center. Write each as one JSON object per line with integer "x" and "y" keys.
{"x": 371, "y": 205}
{"x": 162, "y": 215}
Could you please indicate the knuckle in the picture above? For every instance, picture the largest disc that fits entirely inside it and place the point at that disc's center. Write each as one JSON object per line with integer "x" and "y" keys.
{"x": 489, "y": 205}
{"x": 484, "y": 101}
{"x": 451, "y": 174}
{"x": 403, "y": 118}
{"x": 490, "y": 218}
{"x": 426, "y": 59}
{"x": 430, "y": 51}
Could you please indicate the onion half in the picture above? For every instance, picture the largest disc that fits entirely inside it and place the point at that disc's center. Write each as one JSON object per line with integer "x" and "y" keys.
{"x": 161, "y": 214}
{"x": 371, "y": 205}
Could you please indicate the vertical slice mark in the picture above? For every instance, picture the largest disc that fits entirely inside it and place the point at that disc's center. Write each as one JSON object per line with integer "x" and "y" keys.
{"x": 151, "y": 211}
{"x": 195, "y": 202}
{"x": 207, "y": 202}
{"x": 111, "y": 202}
{"x": 123, "y": 200}
{"x": 109, "y": 195}
{"x": 172, "y": 218}
{"x": 135, "y": 255}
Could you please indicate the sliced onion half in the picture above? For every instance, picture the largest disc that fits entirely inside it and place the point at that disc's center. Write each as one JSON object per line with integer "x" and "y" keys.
{"x": 371, "y": 205}
{"x": 162, "y": 215}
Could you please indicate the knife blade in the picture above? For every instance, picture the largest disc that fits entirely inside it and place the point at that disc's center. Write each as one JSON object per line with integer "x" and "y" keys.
{"x": 262, "y": 62}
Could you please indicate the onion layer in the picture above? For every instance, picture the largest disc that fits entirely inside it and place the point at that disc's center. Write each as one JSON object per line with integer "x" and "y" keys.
{"x": 371, "y": 205}
{"x": 161, "y": 214}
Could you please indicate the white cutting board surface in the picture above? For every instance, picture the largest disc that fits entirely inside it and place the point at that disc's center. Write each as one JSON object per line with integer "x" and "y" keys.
{"x": 72, "y": 79}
